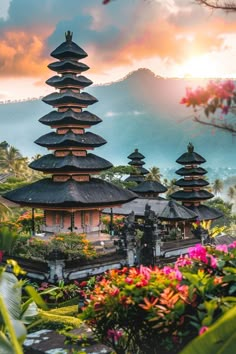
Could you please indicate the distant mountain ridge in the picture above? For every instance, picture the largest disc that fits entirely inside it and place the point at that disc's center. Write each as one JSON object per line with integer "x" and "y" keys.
{"x": 140, "y": 111}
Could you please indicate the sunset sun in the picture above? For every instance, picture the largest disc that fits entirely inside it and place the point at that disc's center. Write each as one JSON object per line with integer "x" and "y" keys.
{"x": 200, "y": 67}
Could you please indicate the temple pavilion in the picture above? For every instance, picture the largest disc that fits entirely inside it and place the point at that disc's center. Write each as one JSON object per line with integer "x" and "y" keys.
{"x": 139, "y": 172}
{"x": 72, "y": 199}
{"x": 193, "y": 194}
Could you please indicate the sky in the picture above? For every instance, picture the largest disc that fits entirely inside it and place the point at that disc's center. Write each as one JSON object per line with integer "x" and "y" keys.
{"x": 173, "y": 38}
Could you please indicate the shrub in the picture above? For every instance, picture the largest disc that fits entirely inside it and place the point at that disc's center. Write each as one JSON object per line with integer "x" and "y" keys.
{"x": 159, "y": 310}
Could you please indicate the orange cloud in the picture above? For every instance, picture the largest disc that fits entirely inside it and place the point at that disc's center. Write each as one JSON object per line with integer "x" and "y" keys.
{"x": 22, "y": 54}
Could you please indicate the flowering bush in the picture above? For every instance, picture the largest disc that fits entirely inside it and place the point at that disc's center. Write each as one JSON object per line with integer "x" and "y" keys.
{"x": 25, "y": 221}
{"x": 117, "y": 222}
{"x": 217, "y": 99}
{"x": 72, "y": 245}
{"x": 159, "y": 310}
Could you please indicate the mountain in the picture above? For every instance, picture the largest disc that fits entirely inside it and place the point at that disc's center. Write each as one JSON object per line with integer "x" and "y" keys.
{"x": 140, "y": 111}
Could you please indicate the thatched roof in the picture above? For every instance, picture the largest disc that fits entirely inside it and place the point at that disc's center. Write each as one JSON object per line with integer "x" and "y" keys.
{"x": 149, "y": 187}
{"x": 51, "y": 163}
{"x": 193, "y": 195}
{"x": 69, "y": 97}
{"x": 176, "y": 212}
{"x": 68, "y": 65}
{"x": 69, "y": 139}
{"x": 68, "y": 80}
{"x": 46, "y": 192}
{"x": 70, "y": 117}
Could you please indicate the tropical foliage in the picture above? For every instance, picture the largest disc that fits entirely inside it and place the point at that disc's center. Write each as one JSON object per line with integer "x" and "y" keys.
{"x": 71, "y": 246}
{"x": 153, "y": 310}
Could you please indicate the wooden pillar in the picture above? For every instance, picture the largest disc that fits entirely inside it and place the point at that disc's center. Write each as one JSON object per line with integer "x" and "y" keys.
{"x": 111, "y": 222}
{"x": 33, "y": 223}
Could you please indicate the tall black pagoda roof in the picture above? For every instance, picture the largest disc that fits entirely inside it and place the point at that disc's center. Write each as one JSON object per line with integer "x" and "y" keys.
{"x": 54, "y": 140}
{"x": 69, "y": 80}
{"x": 68, "y": 66}
{"x": 46, "y": 192}
{"x": 71, "y": 185}
{"x": 190, "y": 157}
{"x": 70, "y": 117}
{"x": 136, "y": 155}
{"x": 68, "y": 49}
{"x": 51, "y": 163}
{"x": 69, "y": 97}
{"x": 149, "y": 187}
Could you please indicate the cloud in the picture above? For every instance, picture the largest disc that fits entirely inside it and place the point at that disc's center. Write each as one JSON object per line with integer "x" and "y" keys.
{"x": 114, "y": 36}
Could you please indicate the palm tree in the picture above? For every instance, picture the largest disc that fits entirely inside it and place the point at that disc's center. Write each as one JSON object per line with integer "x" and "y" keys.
{"x": 171, "y": 187}
{"x": 231, "y": 193}
{"x": 9, "y": 159}
{"x": 217, "y": 186}
{"x": 154, "y": 174}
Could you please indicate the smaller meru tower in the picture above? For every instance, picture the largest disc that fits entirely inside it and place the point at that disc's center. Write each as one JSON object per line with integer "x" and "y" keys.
{"x": 193, "y": 195}
{"x": 71, "y": 197}
{"x": 136, "y": 162}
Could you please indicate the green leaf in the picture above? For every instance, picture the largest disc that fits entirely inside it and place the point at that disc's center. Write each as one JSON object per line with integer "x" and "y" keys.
{"x": 220, "y": 338}
{"x": 36, "y": 297}
{"x": 11, "y": 294}
{"x": 5, "y": 345}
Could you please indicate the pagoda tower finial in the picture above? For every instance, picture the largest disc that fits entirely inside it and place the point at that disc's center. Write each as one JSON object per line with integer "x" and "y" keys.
{"x": 68, "y": 36}
{"x": 190, "y": 147}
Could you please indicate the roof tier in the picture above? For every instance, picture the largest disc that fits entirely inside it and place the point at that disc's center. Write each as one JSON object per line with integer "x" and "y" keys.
{"x": 68, "y": 66}
{"x": 70, "y": 117}
{"x": 190, "y": 157}
{"x": 69, "y": 98}
{"x": 70, "y": 163}
{"x": 70, "y": 139}
{"x": 205, "y": 212}
{"x": 149, "y": 187}
{"x": 176, "y": 212}
{"x": 135, "y": 178}
{"x": 136, "y": 162}
{"x": 70, "y": 194}
{"x": 136, "y": 155}
{"x": 138, "y": 207}
{"x": 196, "y": 171}
{"x": 69, "y": 81}
{"x": 191, "y": 183}
{"x": 191, "y": 196}
{"x": 68, "y": 49}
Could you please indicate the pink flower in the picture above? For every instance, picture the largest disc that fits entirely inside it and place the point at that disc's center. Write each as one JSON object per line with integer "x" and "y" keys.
{"x": 129, "y": 280}
{"x": 145, "y": 271}
{"x": 202, "y": 330}
{"x": 222, "y": 248}
{"x": 183, "y": 261}
{"x": 232, "y": 245}
{"x": 1, "y": 255}
{"x": 115, "y": 291}
{"x": 114, "y": 334}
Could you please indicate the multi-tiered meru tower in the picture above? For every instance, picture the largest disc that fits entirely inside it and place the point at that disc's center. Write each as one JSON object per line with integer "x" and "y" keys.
{"x": 71, "y": 198}
{"x": 138, "y": 175}
{"x": 193, "y": 183}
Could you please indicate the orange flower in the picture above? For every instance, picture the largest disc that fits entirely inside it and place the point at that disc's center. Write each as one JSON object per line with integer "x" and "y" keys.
{"x": 149, "y": 304}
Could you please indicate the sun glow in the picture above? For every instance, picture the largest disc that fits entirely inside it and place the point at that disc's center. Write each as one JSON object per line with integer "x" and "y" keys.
{"x": 201, "y": 67}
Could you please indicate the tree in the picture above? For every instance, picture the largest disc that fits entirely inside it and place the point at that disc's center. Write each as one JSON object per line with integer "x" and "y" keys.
{"x": 226, "y": 5}
{"x": 217, "y": 186}
{"x": 154, "y": 174}
{"x": 116, "y": 174}
{"x": 231, "y": 193}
